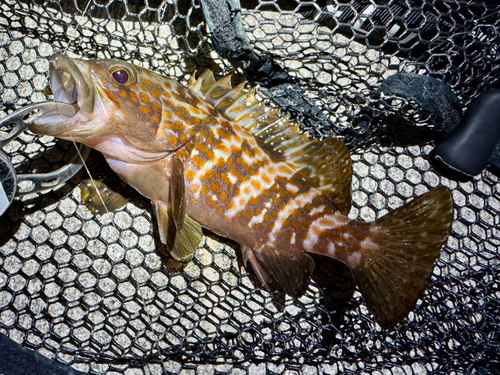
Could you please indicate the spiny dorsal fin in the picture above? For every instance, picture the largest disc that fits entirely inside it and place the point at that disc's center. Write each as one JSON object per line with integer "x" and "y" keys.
{"x": 326, "y": 165}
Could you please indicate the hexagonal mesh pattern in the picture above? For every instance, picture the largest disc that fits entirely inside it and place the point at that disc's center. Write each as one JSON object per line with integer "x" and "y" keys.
{"x": 94, "y": 292}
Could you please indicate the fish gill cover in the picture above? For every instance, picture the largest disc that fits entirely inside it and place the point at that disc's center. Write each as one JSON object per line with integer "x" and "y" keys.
{"x": 92, "y": 291}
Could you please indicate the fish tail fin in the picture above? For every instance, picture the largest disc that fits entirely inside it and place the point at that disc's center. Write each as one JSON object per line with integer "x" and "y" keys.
{"x": 394, "y": 262}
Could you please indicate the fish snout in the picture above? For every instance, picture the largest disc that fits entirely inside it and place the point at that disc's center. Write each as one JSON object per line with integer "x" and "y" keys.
{"x": 68, "y": 83}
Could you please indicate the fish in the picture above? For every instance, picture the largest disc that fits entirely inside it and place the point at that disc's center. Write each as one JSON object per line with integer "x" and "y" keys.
{"x": 99, "y": 198}
{"x": 210, "y": 155}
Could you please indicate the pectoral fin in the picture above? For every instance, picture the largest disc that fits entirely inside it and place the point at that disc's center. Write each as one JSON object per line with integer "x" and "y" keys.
{"x": 180, "y": 243}
{"x": 179, "y": 233}
{"x": 292, "y": 270}
{"x": 166, "y": 224}
{"x": 176, "y": 194}
{"x": 187, "y": 240}
{"x": 171, "y": 210}
{"x": 99, "y": 198}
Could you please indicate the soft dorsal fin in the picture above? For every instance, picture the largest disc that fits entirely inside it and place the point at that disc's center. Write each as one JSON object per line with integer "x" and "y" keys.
{"x": 326, "y": 165}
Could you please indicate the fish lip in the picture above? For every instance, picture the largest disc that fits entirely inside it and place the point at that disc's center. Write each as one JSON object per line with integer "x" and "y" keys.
{"x": 68, "y": 84}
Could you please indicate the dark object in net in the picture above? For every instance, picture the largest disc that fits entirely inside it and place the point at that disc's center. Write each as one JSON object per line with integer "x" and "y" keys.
{"x": 223, "y": 18}
{"x": 475, "y": 143}
{"x": 432, "y": 95}
{"x": 17, "y": 360}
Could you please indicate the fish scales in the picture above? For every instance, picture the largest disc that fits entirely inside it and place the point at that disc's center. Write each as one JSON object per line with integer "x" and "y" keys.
{"x": 257, "y": 195}
{"x": 210, "y": 155}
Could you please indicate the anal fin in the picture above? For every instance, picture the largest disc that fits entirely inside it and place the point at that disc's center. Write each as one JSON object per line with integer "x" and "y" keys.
{"x": 292, "y": 270}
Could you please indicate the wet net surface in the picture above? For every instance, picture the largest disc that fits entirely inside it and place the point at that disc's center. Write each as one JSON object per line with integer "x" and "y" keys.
{"x": 93, "y": 291}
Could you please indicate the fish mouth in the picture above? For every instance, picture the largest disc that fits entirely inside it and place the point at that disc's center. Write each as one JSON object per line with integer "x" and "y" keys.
{"x": 70, "y": 84}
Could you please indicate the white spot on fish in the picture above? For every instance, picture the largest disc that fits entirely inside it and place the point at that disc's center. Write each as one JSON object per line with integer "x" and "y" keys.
{"x": 323, "y": 223}
{"x": 257, "y": 219}
{"x": 232, "y": 178}
{"x": 368, "y": 244}
{"x": 331, "y": 249}
{"x": 317, "y": 210}
{"x": 354, "y": 259}
{"x": 293, "y": 188}
{"x": 292, "y": 241}
{"x": 293, "y": 204}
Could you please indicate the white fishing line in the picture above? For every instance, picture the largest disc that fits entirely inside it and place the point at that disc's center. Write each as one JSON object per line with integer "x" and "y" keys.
{"x": 78, "y": 25}
{"x": 91, "y": 178}
{"x": 157, "y": 341}
{"x": 72, "y": 37}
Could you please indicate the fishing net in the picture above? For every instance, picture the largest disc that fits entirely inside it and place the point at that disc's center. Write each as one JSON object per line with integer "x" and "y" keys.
{"x": 94, "y": 292}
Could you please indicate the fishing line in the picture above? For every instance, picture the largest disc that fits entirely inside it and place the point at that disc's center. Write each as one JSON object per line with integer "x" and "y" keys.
{"x": 91, "y": 178}
{"x": 72, "y": 37}
{"x": 134, "y": 278}
{"x": 78, "y": 24}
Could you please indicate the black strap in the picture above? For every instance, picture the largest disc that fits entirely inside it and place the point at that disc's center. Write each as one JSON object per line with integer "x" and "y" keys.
{"x": 223, "y": 18}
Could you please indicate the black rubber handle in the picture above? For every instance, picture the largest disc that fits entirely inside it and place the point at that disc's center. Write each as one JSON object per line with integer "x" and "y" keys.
{"x": 470, "y": 146}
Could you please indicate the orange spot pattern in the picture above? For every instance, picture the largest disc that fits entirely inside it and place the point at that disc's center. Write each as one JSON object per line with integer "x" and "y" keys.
{"x": 172, "y": 140}
{"x": 155, "y": 94}
{"x": 204, "y": 191}
{"x": 223, "y": 196}
{"x": 211, "y": 202}
{"x": 189, "y": 174}
{"x": 144, "y": 97}
{"x": 156, "y": 106}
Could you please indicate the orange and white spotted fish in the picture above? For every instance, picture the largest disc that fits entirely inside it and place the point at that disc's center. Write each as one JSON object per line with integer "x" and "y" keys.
{"x": 212, "y": 156}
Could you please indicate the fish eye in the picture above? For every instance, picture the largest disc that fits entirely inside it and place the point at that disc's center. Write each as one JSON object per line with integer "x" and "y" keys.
{"x": 121, "y": 75}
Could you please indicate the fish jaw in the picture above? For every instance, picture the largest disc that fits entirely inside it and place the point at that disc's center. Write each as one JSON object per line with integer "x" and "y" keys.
{"x": 72, "y": 82}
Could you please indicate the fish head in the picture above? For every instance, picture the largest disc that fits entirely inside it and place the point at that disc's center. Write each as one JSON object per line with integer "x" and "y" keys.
{"x": 77, "y": 82}
{"x": 115, "y": 109}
